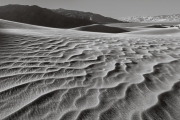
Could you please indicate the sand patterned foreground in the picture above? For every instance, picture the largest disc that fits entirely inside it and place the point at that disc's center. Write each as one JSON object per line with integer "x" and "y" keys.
{"x": 68, "y": 75}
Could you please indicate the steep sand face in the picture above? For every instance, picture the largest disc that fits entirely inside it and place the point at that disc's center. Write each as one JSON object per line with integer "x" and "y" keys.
{"x": 69, "y": 75}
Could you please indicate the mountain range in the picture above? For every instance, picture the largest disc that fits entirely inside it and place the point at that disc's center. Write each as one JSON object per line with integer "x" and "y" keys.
{"x": 86, "y": 15}
{"x": 159, "y": 18}
{"x": 62, "y": 18}
{"x": 57, "y": 18}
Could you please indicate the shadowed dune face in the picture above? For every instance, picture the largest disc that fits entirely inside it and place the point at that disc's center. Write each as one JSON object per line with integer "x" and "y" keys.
{"x": 102, "y": 29}
{"x": 68, "y": 75}
{"x": 134, "y": 28}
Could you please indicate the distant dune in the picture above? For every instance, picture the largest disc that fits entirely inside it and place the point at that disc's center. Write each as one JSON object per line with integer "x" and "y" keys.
{"x": 143, "y": 24}
{"x": 102, "y": 28}
{"x": 68, "y": 74}
{"x": 155, "y": 26}
{"x": 160, "y": 31}
{"x": 132, "y": 28}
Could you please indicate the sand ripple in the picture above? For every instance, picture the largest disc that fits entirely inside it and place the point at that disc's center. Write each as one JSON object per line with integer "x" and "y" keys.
{"x": 68, "y": 75}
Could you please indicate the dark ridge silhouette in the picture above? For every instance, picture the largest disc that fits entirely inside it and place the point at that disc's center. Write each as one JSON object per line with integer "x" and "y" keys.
{"x": 86, "y": 15}
{"x": 102, "y": 28}
{"x": 40, "y": 16}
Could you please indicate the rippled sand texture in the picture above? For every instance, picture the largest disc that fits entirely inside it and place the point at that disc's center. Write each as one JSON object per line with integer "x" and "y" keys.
{"x": 69, "y": 75}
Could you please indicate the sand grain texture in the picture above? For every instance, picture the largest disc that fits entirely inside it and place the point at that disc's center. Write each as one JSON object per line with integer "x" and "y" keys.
{"x": 54, "y": 74}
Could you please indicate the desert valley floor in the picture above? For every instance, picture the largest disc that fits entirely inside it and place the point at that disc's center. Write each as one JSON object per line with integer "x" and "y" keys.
{"x": 56, "y": 74}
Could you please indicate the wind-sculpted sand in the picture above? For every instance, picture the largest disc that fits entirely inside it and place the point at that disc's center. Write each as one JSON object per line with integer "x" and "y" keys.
{"x": 55, "y": 74}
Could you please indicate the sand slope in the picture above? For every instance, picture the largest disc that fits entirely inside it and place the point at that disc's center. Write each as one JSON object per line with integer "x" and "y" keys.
{"x": 55, "y": 74}
{"x": 133, "y": 28}
{"x": 158, "y": 31}
{"x": 101, "y": 28}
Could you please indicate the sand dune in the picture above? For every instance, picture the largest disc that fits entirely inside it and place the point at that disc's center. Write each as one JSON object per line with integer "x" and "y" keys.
{"x": 56, "y": 74}
{"x": 137, "y": 24}
{"x": 102, "y": 28}
{"x": 132, "y": 28}
{"x": 155, "y": 26}
{"x": 158, "y": 31}
{"x": 5, "y": 24}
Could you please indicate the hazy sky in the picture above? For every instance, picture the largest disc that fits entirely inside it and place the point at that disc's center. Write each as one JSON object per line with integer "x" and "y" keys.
{"x": 110, "y": 8}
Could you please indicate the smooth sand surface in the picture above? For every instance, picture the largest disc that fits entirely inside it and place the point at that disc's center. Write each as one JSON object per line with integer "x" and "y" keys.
{"x": 56, "y": 74}
{"x": 158, "y": 31}
{"x": 142, "y": 24}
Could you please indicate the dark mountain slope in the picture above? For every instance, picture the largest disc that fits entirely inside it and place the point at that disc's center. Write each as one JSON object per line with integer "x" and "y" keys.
{"x": 86, "y": 15}
{"x": 40, "y": 16}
